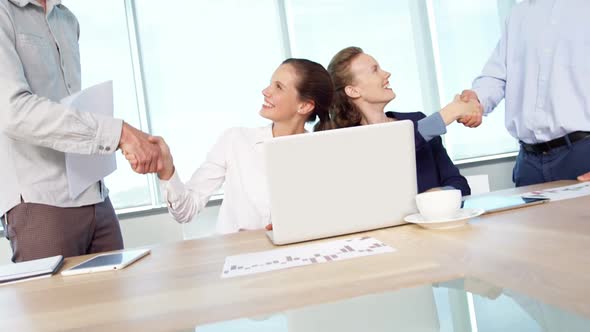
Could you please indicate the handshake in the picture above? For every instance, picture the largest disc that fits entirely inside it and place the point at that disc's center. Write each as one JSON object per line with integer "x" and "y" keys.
{"x": 145, "y": 153}
{"x": 465, "y": 108}
{"x": 472, "y": 118}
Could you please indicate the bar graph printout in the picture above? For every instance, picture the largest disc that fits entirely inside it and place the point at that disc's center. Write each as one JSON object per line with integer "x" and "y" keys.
{"x": 561, "y": 193}
{"x": 277, "y": 259}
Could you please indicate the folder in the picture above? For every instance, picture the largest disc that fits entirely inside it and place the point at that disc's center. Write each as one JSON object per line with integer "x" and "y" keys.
{"x": 34, "y": 269}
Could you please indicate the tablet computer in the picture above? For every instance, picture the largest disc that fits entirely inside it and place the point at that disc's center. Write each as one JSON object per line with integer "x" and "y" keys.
{"x": 495, "y": 203}
{"x": 107, "y": 262}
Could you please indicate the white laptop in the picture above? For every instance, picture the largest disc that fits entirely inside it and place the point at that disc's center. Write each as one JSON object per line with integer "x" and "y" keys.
{"x": 340, "y": 181}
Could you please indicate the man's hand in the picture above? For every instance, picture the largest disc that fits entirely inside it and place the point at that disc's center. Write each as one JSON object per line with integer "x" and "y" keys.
{"x": 473, "y": 120}
{"x": 458, "y": 109}
{"x": 143, "y": 155}
{"x": 584, "y": 177}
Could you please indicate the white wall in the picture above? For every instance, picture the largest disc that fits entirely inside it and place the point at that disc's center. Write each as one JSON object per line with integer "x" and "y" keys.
{"x": 499, "y": 172}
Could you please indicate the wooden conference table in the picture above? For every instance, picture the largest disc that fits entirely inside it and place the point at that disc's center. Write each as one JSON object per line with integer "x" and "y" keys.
{"x": 541, "y": 251}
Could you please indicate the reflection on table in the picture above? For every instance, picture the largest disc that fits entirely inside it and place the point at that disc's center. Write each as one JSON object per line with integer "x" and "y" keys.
{"x": 456, "y": 305}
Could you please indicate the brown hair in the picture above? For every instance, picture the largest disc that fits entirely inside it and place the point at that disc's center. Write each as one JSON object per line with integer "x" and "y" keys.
{"x": 343, "y": 112}
{"x": 314, "y": 84}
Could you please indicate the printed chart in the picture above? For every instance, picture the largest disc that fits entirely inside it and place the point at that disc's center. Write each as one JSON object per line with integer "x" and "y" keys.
{"x": 560, "y": 193}
{"x": 316, "y": 253}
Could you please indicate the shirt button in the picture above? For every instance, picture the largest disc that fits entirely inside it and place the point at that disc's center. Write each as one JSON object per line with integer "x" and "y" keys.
{"x": 69, "y": 86}
{"x": 100, "y": 147}
{"x": 108, "y": 148}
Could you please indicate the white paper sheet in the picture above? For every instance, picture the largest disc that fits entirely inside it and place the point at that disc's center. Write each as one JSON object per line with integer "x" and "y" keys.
{"x": 85, "y": 170}
{"x": 560, "y": 193}
{"x": 264, "y": 261}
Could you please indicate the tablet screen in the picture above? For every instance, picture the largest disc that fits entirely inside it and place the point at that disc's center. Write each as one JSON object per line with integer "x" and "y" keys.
{"x": 114, "y": 259}
{"x": 498, "y": 202}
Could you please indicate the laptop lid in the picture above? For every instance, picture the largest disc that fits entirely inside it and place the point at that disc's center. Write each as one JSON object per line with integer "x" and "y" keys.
{"x": 340, "y": 181}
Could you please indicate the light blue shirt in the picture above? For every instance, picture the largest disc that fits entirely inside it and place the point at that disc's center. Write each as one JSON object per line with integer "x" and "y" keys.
{"x": 541, "y": 66}
{"x": 40, "y": 65}
{"x": 432, "y": 126}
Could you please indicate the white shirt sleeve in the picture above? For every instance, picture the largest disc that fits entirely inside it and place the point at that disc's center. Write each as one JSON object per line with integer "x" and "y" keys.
{"x": 187, "y": 200}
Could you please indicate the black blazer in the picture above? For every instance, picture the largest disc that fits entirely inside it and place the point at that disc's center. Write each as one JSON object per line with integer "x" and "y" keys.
{"x": 434, "y": 168}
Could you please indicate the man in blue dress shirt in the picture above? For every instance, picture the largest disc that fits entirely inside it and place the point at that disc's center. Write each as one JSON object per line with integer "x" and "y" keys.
{"x": 541, "y": 66}
{"x": 39, "y": 66}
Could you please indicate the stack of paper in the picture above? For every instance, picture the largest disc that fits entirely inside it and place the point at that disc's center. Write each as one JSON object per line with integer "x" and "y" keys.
{"x": 37, "y": 268}
{"x": 85, "y": 170}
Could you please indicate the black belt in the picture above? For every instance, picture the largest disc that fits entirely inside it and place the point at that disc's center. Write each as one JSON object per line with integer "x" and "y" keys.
{"x": 555, "y": 143}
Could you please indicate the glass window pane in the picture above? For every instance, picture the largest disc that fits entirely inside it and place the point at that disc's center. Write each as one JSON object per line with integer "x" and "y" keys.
{"x": 382, "y": 28}
{"x": 105, "y": 55}
{"x": 467, "y": 33}
{"x": 205, "y": 67}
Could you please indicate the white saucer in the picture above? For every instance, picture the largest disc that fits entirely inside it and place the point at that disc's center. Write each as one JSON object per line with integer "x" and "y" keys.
{"x": 459, "y": 219}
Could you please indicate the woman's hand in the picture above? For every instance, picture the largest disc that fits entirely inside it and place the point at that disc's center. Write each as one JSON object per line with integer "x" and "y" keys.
{"x": 166, "y": 168}
{"x": 458, "y": 109}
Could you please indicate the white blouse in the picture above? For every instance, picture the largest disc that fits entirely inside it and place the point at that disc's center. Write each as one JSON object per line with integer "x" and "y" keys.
{"x": 236, "y": 160}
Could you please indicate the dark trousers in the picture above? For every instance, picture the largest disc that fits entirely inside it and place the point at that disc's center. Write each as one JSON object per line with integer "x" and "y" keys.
{"x": 563, "y": 163}
{"x": 38, "y": 231}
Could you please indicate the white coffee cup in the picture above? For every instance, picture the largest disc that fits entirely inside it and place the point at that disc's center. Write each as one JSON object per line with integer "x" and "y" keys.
{"x": 438, "y": 205}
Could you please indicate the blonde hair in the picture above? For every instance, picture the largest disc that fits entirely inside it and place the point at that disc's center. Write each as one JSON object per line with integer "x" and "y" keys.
{"x": 343, "y": 112}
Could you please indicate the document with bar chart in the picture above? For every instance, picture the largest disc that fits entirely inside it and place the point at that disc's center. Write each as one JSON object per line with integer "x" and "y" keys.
{"x": 277, "y": 259}
{"x": 561, "y": 193}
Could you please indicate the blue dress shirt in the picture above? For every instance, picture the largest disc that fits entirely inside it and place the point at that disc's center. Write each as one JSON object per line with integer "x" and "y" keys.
{"x": 541, "y": 66}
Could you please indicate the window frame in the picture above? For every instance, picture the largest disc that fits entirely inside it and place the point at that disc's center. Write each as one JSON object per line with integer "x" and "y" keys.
{"x": 429, "y": 71}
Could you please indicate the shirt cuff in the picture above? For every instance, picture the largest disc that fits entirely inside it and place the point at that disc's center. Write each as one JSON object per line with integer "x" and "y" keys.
{"x": 108, "y": 135}
{"x": 486, "y": 110}
{"x": 432, "y": 126}
{"x": 172, "y": 188}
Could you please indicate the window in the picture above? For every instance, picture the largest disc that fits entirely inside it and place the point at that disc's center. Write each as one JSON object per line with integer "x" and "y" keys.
{"x": 202, "y": 66}
{"x": 205, "y": 67}
{"x": 382, "y": 28}
{"x": 105, "y": 55}
{"x": 466, "y": 34}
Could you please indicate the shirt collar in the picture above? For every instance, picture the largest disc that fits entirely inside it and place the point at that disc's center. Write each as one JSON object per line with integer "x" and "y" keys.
{"x": 263, "y": 134}
{"x": 22, "y": 3}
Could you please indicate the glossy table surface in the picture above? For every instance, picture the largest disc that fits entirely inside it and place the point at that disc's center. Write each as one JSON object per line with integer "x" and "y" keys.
{"x": 541, "y": 252}
{"x": 456, "y": 305}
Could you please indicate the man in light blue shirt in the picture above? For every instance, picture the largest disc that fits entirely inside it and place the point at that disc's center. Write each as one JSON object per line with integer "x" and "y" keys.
{"x": 541, "y": 66}
{"x": 40, "y": 65}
